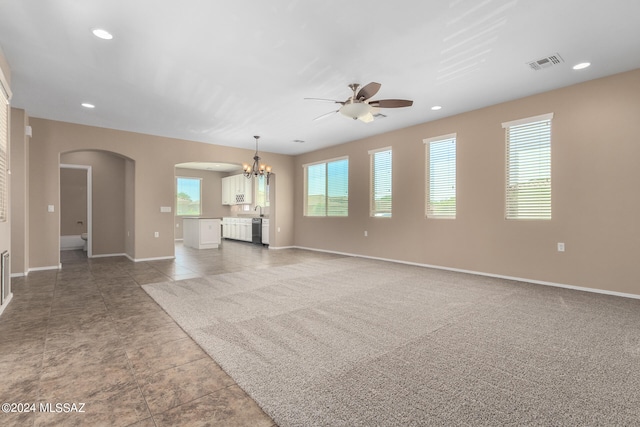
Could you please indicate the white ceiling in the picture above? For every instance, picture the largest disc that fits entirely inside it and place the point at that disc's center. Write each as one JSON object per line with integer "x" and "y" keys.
{"x": 209, "y": 166}
{"x": 222, "y": 71}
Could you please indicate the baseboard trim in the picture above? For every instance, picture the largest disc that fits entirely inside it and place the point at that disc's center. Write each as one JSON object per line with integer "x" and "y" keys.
{"x": 150, "y": 259}
{"x": 289, "y": 247}
{"x": 107, "y": 255}
{"x": 52, "y": 267}
{"x": 480, "y": 273}
{"x": 23, "y": 274}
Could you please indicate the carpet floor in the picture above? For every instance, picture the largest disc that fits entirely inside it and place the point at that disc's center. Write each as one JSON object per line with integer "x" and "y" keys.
{"x": 357, "y": 342}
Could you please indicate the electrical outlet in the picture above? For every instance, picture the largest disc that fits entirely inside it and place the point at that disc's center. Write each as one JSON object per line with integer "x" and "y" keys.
{"x": 560, "y": 247}
{"x": 156, "y": 234}
{"x": 366, "y": 234}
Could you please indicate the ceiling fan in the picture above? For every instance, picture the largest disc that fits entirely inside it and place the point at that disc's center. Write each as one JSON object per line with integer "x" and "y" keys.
{"x": 359, "y": 106}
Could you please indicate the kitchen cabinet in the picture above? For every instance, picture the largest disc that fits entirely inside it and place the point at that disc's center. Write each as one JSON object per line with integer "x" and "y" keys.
{"x": 237, "y": 190}
{"x": 226, "y": 228}
{"x": 244, "y": 193}
{"x": 227, "y": 198}
{"x": 201, "y": 233}
{"x": 237, "y": 228}
{"x": 265, "y": 231}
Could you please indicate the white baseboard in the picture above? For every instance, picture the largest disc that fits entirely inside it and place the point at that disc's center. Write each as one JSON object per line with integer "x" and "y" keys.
{"x": 291, "y": 247}
{"x": 107, "y": 255}
{"x": 23, "y": 274}
{"x": 52, "y": 267}
{"x": 150, "y": 259}
{"x": 480, "y": 273}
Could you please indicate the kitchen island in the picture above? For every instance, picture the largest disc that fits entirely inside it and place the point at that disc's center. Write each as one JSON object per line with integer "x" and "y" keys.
{"x": 201, "y": 233}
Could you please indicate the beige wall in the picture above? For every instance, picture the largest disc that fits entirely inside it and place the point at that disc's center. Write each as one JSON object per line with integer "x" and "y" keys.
{"x": 155, "y": 159}
{"x": 211, "y": 189}
{"x": 595, "y": 151}
{"x": 19, "y": 181}
{"x": 129, "y": 207}
{"x": 73, "y": 201}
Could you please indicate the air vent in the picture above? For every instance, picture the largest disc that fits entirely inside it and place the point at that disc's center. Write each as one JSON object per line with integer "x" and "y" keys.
{"x": 547, "y": 62}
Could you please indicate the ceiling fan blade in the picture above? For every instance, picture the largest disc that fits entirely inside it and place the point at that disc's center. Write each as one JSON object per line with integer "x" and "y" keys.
{"x": 325, "y": 115}
{"x": 367, "y": 117}
{"x": 325, "y": 99}
{"x": 368, "y": 91}
{"x": 391, "y": 103}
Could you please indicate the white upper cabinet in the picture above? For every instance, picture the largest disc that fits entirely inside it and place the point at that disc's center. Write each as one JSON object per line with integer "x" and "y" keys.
{"x": 227, "y": 199}
{"x": 237, "y": 190}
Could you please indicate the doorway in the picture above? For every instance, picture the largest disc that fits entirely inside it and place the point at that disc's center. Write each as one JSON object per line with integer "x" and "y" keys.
{"x": 75, "y": 208}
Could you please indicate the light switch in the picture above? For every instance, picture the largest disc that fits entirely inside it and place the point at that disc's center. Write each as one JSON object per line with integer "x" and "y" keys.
{"x": 50, "y": 208}
{"x": 165, "y": 209}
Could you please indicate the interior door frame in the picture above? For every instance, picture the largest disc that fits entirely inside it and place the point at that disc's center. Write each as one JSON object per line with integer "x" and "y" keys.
{"x": 89, "y": 204}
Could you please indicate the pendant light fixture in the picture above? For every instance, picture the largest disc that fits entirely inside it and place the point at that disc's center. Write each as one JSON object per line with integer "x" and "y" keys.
{"x": 257, "y": 169}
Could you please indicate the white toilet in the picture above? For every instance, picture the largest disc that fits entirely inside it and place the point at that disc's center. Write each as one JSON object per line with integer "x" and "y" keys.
{"x": 84, "y": 236}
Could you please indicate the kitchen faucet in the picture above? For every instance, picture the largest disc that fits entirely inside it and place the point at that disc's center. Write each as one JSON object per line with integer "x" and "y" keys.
{"x": 256, "y": 208}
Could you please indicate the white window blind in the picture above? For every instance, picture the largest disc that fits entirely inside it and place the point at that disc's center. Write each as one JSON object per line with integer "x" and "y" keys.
{"x": 381, "y": 182}
{"x": 4, "y": 144}
{"x": 441, "y": 176}
{"x": 528, "y": 180}
{"x": 327, "y": 188}
{"x": 188, "y": 196}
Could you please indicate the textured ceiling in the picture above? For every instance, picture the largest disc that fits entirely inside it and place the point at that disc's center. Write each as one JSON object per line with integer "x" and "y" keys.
{"x": 222, "y": 71}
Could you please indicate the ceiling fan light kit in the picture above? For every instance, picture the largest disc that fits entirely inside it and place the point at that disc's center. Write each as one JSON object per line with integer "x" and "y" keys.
{"x": 359, "y": 106}
{"x": 355, "y": 110}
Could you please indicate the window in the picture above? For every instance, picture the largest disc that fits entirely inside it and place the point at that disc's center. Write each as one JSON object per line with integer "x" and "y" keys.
{"x": 440, "y": 200}
{"x": 528, "y": 189}
{"x": 188, "y": 192}
{"x": 4, "y": 144}
{"x": 262, "y": 191}
{"x": 327, "y": 188}
{"x": 380, "y": 205}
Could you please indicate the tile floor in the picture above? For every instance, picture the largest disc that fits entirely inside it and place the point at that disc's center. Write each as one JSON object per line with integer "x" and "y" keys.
{"x": 88, "y": 333}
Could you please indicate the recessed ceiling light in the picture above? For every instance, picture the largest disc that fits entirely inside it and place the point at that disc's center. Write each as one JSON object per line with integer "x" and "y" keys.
{"x": 103, "y": 34}
{"x": 87, "y": 105}
{"x": 436, "y": 107}
{"x": 581, "y": 65}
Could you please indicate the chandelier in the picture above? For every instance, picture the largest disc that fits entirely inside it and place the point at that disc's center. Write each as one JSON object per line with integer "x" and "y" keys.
{"x": 257, "y": 169}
